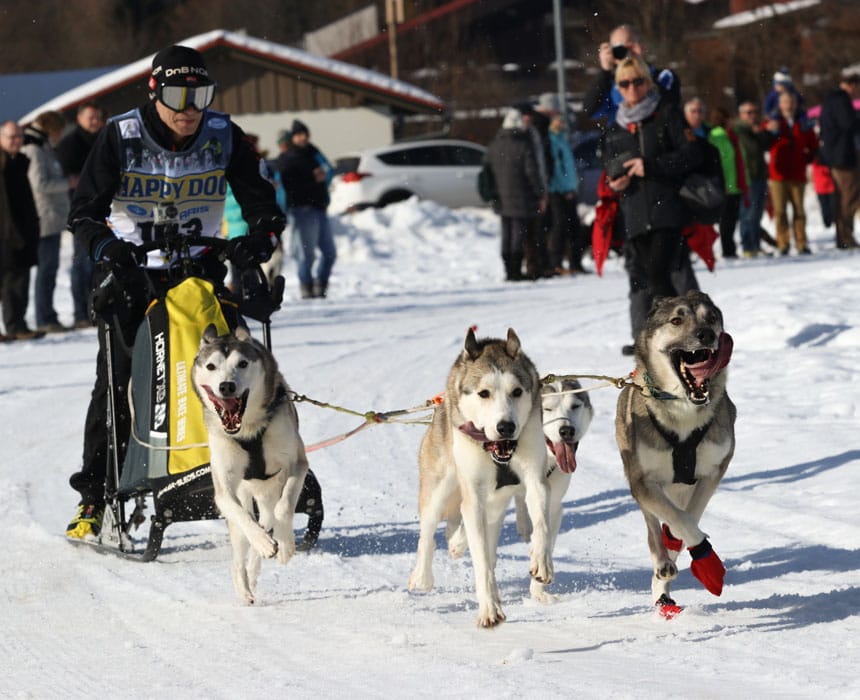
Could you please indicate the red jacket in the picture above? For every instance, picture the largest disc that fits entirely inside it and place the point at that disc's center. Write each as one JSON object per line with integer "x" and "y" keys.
{"x": 794, "y": 148}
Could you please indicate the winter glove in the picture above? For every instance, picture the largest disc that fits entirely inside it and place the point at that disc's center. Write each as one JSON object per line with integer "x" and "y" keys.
{"x": 670, "y": 541}
{"x": 707, "y": 567}
{"x": 118, "y": 254}
{"x": 251, "y": 249}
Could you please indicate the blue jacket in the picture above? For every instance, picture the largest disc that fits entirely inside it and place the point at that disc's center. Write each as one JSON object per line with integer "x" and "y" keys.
{"x": 563, "y": 178}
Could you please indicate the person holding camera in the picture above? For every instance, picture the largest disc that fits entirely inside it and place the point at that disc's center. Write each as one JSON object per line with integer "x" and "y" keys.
{"x": 164, "y": 165}
{"x": 603, "y": 97}
{"x": 647, "y": 151}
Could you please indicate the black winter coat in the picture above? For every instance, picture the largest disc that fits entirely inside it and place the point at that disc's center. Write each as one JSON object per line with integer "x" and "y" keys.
{"x": 297, "y": 176}
{"x": 19, "y": 222}
{"x": 73, "y": 149}
{"x": 670, "y": 151}
{"x": 511, "y": 157}
{"x": 840, "y": 125}
{"x": 102, "y": 175}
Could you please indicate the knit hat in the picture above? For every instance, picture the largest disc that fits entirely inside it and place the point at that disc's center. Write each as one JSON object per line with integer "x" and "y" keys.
{"x": 299, "y": 128}
{"x": 283, "y": 136}
{"x": 513, "y": 120}
{"x": 782, "y": 76}
{"x": 179, "y": 65}
{"x": 548, "y": 102}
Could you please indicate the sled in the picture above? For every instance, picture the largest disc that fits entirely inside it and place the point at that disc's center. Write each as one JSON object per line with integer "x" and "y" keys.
{"x": 165, "y": 476}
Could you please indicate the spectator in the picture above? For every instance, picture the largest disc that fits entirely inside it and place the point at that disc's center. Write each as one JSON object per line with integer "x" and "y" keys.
{"x": 825, "y": 191}
{"x": 646, "y": 153}
{"x": 840, "y": 138}
{"x": 755, "y": 142}
{"x": 19, "y": 233}
{"x": 603, "y": 97}
{"x": 782, "y": 83}
{"x": 51, "y": 193}
{"x": 724, "y": 139}
{"x": 177, "y": 119}
{"x": 305, "y": 175}
{"x": 72, "y": 152}
{"x": 566, "y": 235}
{"x": 521, "y": 196}
{"x": 536, "y": 122}
{"x": 793, "y": 148}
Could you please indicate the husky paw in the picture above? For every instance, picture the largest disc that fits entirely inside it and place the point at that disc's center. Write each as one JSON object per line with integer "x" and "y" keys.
{"x": 264, "y": 543}
{"x": 666, "y": 571}
{"x": 539, "y": 594}
{"x": 541, "y": 569}
{"x": 286, "y": 550}
{"x": 458, "y": 544}
{"x": 490, "y": 616}
{"x": 420, "y": 581}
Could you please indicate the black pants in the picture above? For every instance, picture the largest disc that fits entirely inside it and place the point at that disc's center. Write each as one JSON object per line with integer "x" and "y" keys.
{"x": 728, "y": 223}
{"x": 658, "y": 265}
{"x": 566, "y": 238}
{"x": 15, "y": 294}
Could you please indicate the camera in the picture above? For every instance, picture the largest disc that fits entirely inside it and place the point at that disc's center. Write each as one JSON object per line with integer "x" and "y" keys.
{"x": 620, "y": 52}
{"x": 166, "y": 219}
{"x": 615, "y": 167}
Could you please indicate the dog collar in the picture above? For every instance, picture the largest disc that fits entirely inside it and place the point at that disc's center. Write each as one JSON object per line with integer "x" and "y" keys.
{"x": 655, "y": 391}
{"x": 683, "y": 451}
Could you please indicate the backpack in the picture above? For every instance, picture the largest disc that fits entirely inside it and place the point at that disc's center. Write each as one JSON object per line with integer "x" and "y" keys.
{"x": 487, "y": 189}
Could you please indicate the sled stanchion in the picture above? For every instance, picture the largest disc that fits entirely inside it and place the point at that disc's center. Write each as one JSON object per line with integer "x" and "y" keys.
{"x": 116, "y": 504}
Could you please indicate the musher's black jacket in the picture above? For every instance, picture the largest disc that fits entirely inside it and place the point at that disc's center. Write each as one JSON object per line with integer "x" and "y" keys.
{"x": 102, "y": 175}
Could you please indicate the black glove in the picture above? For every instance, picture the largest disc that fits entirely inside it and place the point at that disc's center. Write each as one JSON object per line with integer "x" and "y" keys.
{"x": 119, "y": 254}
{"x": 251, "y": 249}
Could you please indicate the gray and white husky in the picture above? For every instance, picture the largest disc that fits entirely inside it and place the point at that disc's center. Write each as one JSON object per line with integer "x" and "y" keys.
{"x": 484, "y": 442}
{"x": 567, "y": 414}
{"x": 675, "y": 430}
{"x": 257, "y": 455}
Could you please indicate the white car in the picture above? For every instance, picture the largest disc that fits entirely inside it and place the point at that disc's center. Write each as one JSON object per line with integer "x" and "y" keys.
{"x": 442, "y": 170}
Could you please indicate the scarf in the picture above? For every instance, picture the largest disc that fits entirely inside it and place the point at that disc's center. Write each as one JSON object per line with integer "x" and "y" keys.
{"x": 633, "y": 114}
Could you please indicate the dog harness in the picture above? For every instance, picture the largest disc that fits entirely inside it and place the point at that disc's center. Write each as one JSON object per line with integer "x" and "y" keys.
{"x": 683, "y": 451}
{"x": 256, "y": 468}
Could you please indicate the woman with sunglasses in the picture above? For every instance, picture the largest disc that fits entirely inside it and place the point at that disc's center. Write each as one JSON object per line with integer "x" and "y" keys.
{"x": 646, "y": 153}
{"x": 171, "y": 158}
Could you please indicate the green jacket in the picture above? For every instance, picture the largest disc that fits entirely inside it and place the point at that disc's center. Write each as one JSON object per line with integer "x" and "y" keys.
{"x": 754, "y": 146}
{"x": 718, "y": 137}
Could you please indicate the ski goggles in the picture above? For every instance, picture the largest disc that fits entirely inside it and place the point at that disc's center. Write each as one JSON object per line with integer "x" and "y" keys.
{"x": 181, "y": 97}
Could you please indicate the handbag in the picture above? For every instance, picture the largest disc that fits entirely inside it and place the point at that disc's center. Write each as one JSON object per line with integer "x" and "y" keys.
{"x": 704, "y": 196}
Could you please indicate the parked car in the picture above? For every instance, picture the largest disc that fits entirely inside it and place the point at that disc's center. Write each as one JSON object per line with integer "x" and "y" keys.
{"x": 442, "y": 170}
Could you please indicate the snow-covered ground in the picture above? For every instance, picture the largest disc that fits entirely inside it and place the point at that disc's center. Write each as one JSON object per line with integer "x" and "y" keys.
{"x": 340, "y": 623}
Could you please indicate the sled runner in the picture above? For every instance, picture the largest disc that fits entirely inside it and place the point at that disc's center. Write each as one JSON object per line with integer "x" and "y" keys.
{"x": 166, "y": 463}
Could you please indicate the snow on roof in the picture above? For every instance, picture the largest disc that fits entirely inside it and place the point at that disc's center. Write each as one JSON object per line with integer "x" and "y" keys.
{"x": 138, "y": 70}
{"x": 764, "y": 12}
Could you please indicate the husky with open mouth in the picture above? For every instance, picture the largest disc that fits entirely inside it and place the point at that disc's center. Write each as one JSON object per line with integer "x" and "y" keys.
{"x": 256, "y": 453}
{"x": 675, "y": 431}
{"x": 485, "y": 442}
{"x": 567, "y": 414}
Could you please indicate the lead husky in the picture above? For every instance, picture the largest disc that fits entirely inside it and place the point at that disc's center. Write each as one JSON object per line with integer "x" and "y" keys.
{"x": 484, "y": 440}
{"x": 567, "y": 414}
{"x": 675, "y": 430}
{"x": 257, "y": 455}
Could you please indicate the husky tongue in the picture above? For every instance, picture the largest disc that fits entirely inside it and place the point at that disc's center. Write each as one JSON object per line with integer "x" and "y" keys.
{"x": 716, "y": 362}
{"x": 565, "y": 455}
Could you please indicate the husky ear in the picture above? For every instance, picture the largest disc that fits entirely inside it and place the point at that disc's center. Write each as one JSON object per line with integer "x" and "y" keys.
{"x": 209, "y": 335}
{"x": 472, "y": 348}
{"x": 512, "y": 347}
{"x": 242, "y": 333}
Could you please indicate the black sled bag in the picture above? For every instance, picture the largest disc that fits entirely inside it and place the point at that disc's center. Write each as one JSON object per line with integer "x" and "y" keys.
{"x": 167, "y": 450}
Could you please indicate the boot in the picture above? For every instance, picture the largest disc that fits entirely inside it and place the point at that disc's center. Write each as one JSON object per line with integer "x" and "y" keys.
{"x": 306, "y": 291}
{"x": 320, "y": 289}
{"x": 513, "y": 268}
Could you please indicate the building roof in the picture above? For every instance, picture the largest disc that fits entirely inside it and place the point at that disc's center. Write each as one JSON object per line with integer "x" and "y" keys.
{"x": 348, "y": 83}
